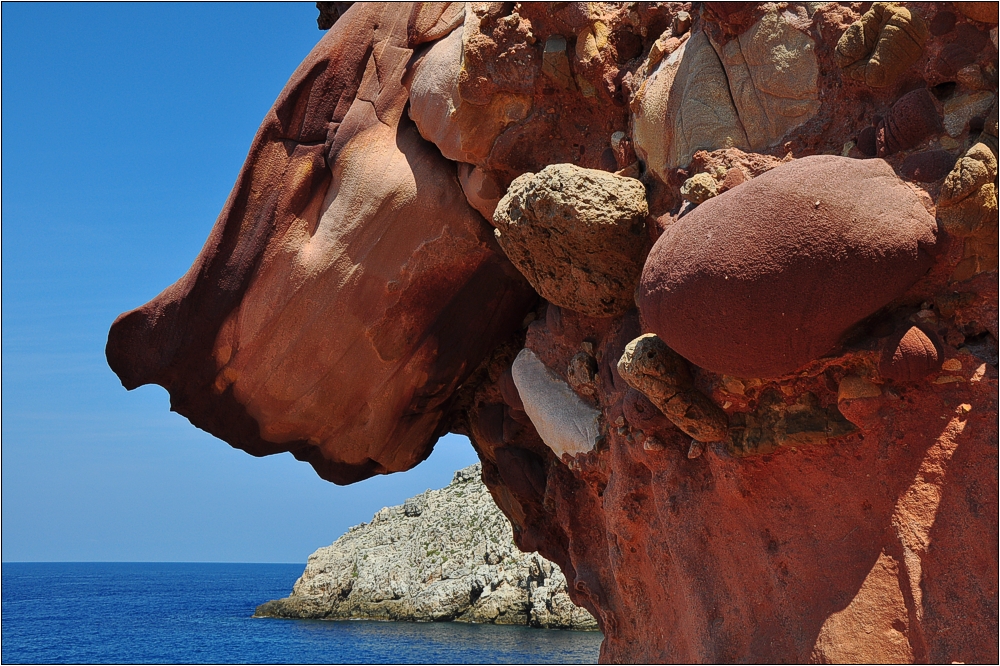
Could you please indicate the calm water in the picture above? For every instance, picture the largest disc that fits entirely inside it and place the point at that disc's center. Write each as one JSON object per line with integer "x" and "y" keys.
{"x": 189, "y": 613}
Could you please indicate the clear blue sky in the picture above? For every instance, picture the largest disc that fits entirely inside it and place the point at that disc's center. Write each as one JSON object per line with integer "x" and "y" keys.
{"x": 124, "y": 127}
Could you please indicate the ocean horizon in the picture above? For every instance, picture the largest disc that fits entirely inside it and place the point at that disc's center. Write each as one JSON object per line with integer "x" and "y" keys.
{"x": 201, "y": 612}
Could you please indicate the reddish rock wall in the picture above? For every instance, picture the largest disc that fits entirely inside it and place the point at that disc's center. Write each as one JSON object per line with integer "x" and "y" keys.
{"x": 352, "y": 305}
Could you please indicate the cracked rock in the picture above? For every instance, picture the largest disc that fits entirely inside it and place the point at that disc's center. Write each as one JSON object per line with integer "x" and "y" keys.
{"x": 652, "y": 368}
{"x": 882, "y": 45}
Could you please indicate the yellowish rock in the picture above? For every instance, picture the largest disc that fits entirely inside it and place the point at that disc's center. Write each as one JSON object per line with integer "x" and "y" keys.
{"x": 773, "y": 74}
{"x": 853, "y": 386}
{"x": 882, "y": 45}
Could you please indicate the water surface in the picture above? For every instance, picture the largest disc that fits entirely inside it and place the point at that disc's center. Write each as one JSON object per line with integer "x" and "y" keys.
{"x": 201, "y": 613}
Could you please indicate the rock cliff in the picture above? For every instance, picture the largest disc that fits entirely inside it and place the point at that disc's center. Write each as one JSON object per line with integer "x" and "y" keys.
{"x": 783, "y": 448}
{"x": 445, "y": 554}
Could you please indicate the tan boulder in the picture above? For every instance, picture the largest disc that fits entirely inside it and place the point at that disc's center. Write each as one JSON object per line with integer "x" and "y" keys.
{"x": 577, "y": 235}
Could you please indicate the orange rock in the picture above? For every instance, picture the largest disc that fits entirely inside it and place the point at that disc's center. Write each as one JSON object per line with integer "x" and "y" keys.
{"x": 350, "y": 306}
{"x": 329, "y": 313}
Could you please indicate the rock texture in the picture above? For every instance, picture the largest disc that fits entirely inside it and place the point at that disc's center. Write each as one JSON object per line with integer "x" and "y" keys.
{"x": 443, "y": 555}
{"x": 768, "y": 276}
{"x": 826, "y": 295}
{"x": 577, "y": 235}
{"x": 321, "y": 317}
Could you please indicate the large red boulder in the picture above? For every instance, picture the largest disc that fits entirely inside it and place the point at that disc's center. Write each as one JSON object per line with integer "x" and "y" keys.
{"x": 766, "y": 277}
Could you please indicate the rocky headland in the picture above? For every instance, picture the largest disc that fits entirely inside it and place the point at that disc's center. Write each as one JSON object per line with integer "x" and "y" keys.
{"x": 445, "y": 554}
{"x": 711, "y": 287}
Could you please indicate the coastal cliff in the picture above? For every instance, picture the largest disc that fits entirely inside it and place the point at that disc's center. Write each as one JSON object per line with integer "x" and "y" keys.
{"x": 711, "y": 288}
{"x": 445, "y": 554}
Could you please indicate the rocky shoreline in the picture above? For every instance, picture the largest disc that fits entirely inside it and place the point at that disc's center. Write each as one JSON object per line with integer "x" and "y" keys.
{"x": 444, "y": 555}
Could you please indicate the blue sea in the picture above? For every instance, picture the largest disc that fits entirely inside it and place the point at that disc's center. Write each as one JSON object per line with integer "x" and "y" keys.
{"x": 201, "y": 613}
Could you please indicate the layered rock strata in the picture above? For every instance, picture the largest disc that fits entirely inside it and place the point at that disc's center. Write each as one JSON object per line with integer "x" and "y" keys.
{"x": 804, "y": 470}
{"x": 445, "y": 554}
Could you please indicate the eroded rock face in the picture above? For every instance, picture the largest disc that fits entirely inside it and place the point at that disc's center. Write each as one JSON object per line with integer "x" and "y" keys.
{"x": 837, "y": 315}
{"x": 321, "y": 316}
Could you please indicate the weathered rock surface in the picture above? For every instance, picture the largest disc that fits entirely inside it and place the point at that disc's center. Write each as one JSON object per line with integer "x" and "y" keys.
{"x": 767, "y": 277}
{"x": 685, "y": 106}
{"x": 773, "y": 76}
{"x": 567, "y": 424}
{"x": 445, "y": 554}
{"x": 879, "y": 47}
{"x": 655, "y": 370}
{"x": 352, "y": 304}
{"x": 577, "y": 235}
{"x": 322, "y": 315}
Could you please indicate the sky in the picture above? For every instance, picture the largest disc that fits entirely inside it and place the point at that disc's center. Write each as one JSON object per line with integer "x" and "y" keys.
{"x": 124, "y": 127}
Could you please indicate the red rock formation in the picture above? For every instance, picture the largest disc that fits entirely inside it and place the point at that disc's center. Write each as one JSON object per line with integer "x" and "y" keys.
{"x": 351, "y": 305}
{"x": 330, "y": 313}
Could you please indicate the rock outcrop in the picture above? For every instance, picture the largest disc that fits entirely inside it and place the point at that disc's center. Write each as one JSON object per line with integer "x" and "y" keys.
{"x": 804, "y": 469}
{"x": 445, "y": 554}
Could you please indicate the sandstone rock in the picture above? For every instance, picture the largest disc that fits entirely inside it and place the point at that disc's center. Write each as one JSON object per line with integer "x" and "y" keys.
{"x": 760, "y": 308}
{"x": 462, "y": 131}
{"x": 909, "y": 356}
{"x": 882, "y": 45}
{"x": 699, "y": 188}
{"x": 859, "y": 401}
{"x": 451, "y": 559}
{"x": 582, "y": 373}
{"x": 773, "y": 74}
{"x": 481, "y": 189}
{"x": 685, "y": 106}
{"x": 577, "y": 235}
{"x": 566, "y": 424}
{"x": 912, "y": 118}
{"x": 322, "y": 315}
{"x": 642, "y": 414}
{"x": 652, "y": 368}
{"x": 967, "y": 209}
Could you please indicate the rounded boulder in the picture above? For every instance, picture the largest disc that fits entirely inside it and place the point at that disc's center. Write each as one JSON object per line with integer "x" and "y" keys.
{"x": 766, "y": 277}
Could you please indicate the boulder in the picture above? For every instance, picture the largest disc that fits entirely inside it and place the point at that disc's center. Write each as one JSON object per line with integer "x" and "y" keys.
{"x": 762, "y": 279}
{"x": 685, "y": 106}
{"x": 911, "y": 119}
{"x": 878, "y": 48}
{"x": 652, "y": 368}
{"x": 577, "y": 235}
{"x": 773, "y": 77}
{"x": 567, "y": 424}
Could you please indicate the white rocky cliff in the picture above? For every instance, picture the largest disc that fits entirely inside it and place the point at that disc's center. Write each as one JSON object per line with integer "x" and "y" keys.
{"x": 445, "y": 554}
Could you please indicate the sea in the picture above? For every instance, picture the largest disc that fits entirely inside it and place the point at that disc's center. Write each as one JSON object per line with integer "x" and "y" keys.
{"x": 141, "y": 613}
